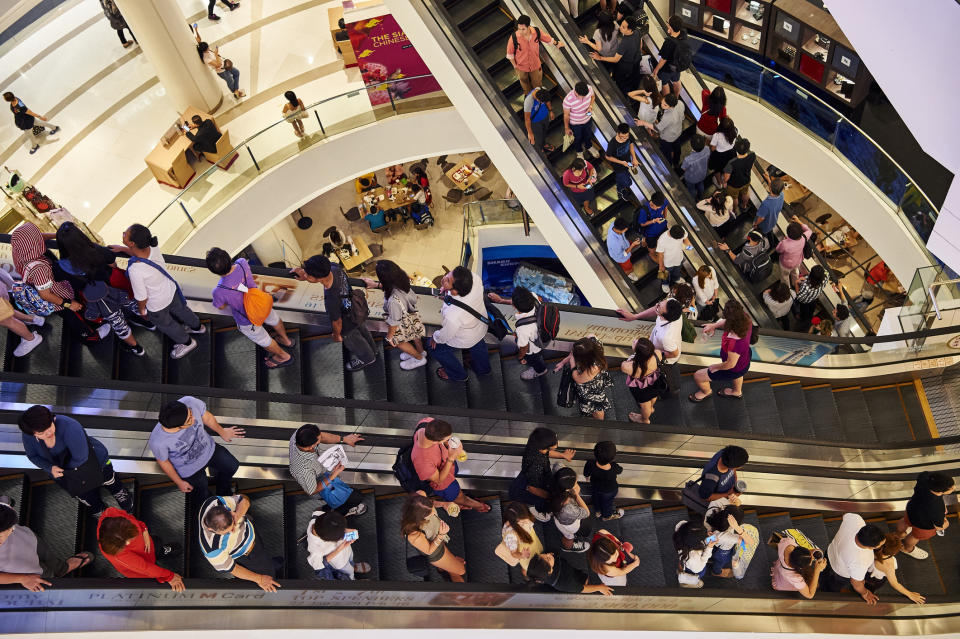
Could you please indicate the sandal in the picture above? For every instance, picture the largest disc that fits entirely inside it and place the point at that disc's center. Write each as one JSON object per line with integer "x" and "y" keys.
{"x": 442, "y": 374}
{"x": 693, "y": 397}
{"x": 271, "y": 363}
{"x": 85, "y": 557}
{"x": 724, "y": 393}
{"x": 549, "y": 148}
{"x": 483, "y": 508}
{"x": 638, "y": 419}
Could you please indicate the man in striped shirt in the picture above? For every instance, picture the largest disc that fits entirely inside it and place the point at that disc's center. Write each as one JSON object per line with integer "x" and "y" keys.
{"x": 578, "y": 117}
{"x": 228, "y": 541}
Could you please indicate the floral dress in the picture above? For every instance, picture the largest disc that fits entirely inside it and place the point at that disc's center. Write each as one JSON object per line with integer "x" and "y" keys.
{"x": 592, "y": 396}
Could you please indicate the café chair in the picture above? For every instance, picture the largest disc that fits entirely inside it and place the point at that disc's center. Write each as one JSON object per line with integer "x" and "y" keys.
{"x": 383, "y": 229}
{"x": 482, "y": 162}
{"x": 441, "y": 160}
{"x": 446, "y": 167}
{"x": 447, "y": 182}
{"x": 352, "y": 215}
{"x": 483, "y": 193}
{"x": 376, "y": 250}
{"x": 223, "y": 147}
{"x": 453, "y": 196}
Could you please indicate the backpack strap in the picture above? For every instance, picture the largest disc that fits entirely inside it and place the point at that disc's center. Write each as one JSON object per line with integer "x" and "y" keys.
{"x": 133, "y": 259}
{"x": 448, "y": 299}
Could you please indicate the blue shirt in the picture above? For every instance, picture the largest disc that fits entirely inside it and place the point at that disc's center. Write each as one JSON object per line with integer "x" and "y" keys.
{"x": 695, "y": 165}
{"x": 538, "y": 110}
{"x": 70, "y": 451}
{"x": 647, "y": 213}
{"x": 713, "y": 481}
{"x": 769, "y": 210}
{"x": 617, "y": 245}
{"x": 190, "y": 449}
{"x": 376, "y": 220}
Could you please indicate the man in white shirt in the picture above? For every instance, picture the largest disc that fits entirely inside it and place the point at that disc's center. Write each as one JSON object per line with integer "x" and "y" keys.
{"x": 850, "y": 556}
{"x": 157, "y": 293}
{"x": 463, "y": 326}
{"x": 670, "y": 247}
{"x": 665, "y": 335}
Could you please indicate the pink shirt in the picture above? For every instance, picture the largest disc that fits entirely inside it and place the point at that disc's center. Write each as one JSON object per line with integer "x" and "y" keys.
{"x": 784, "y": 578}
{"x": 579, "y": 107}
{"x": 791, "y": 251}
{"x": 527, "y": 56}
{"x": 427, "y": 461}
{"x": 579, "y": 183}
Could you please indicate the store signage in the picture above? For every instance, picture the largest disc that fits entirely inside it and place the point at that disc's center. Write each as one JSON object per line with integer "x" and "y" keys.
{"x": 787, "y": 26}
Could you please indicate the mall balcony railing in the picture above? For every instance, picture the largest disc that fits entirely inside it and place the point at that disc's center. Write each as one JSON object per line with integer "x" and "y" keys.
{"x": 271, "y": 146}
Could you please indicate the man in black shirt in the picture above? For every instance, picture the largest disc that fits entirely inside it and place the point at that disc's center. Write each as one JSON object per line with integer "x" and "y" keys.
{"x": 205, "y": 139}
{"x": 669, "y": 67}
{"x": 926, "y": 514}
{"x": 547, "y": 568}
{"x": 336, "y": 301}
{"x": 737, "y": 173}
{"x": 627, "y": 56}
{"x": 622, "y": 156}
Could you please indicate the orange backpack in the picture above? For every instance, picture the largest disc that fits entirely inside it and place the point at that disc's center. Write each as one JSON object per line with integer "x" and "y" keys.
{"x": 257, "y": 304}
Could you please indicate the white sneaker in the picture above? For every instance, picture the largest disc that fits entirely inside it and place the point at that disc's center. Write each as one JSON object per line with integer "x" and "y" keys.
{"x": 103, "y": 331}
{"x": 633, "y": 277}
{"x": 665, "y": 288}
{"x": 530, "y": 373}
{"x": 916, "y": 553}
{"x": 198, "y": 331}
{"x": 697, "y": 584}
{"x": 404, "y": 356}
{"x": 39, "y": 320}
{"x": 579, "y": 155}
{"x": 539, "y": 516}
{"x": 181, "y": 350}
{"x": 356, "y": 511}
{"x": 25, "y": 346}
{"x": 579, "y": 546}
{"x": 410, "y": 364}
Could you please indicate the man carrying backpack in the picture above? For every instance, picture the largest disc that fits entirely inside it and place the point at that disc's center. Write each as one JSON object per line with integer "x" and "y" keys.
{"x": 523, "y": 52}
{"x": 675, "y": 55}
{"x": 463, "y": 326}
{"x": 535, "y": 322}
{"x": 753, "y": 259}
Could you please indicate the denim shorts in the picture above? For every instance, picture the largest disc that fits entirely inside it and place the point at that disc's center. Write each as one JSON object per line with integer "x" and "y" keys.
{"x": 666, "y": 76}
{"x": 449, "y": 493}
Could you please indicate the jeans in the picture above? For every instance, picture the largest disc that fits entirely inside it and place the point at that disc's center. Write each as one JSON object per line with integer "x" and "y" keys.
{"x": 535, "y": 361}
{"x": 671, "y": 151}
{"x": 696, "y": 188}
{"x": 581, "y": 136}
{"x": 604, "y": 503}
{"x": 213, "y": 3}
{"x": 675, "y": 273}
{"x": 721, "y": 559}
{"x": 360, "y": 344}
{"x": 539, "y": 133}
{"x": 222, "y": 465}
{"x": 123, "y": 39}
{"x": 333, "y": 574}
{"x": 623, "y": 181}
{"x": 173, "y": 320}
{"x": 232, "y": 77}
{"x": 446, "y": 357}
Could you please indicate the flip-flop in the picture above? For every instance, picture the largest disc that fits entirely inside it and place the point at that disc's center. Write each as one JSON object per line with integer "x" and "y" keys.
{"x": 277, "y": 364}
{"x": 484, "y": 508}
{"x": 549, "y": 148}
{"x": 442, "y": 374}
{"x": 85, "y": 557}
{"x": 724, "y": 393}
{"x": 293, "y": 342}
{"x": 693, "y": 397}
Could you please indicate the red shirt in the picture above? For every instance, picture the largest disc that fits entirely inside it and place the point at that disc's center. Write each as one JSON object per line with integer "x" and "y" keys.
{"x": 708, "y": 123}
{"x": 135, "y": 560}
{"x": 427, "y": 461}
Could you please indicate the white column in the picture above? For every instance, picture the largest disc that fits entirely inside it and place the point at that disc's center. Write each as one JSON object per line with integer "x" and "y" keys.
{"x": 169, "y": 45}
{"x": 279, "y": 244}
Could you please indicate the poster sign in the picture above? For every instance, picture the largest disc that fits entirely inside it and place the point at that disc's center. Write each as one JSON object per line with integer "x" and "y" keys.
{"x": 385, "y": 53}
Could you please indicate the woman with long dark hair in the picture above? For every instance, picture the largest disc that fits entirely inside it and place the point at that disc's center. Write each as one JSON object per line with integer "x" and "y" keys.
{"x": 797, "y": 569}
{"x": 532, "y": 485}
{"x": 808, "y": 290}
{"x": 690, "y": 539}
{"x": 735, "y": 354}
{"x": 519, "y": 535}
{"x": 643, "y": 373}
{"x": 426, "y": 532}
{"x": 294, "y": 112}
{"x": 91, "y": 272}
{"x": 590, "y": 376}
{"x": 611, "y": 559}
{"x": 405, "y": 328}
{"x": 718, "y": 209}
{"x": 721, "y": 148}
{"x": 779, "y": 299}
{"x": 606, "y": 37}
{"x": 568, "y": 508}
{"x": 884, "y": 569}
{"x": 224, "y": 68}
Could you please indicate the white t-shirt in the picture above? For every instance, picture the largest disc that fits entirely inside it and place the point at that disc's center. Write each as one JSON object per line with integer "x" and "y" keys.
{"x": 666, "y": 337}
{"x": 710, "y": 287}
{"x": 210, "y": 59}
{"x": 528, "y": 334}
{"x": 876, "y": 573}
{"x": 672, "y": 249}
{"x": 729, "y": 537}
{"x": 319, "y": 548}
{"x": 150, "y": 284}
{"x": 847, "y": 559}
{"x": 719, "y": 140}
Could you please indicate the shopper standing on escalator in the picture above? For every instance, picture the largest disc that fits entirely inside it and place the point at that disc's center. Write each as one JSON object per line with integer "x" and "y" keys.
{"x": 926, "y": 515}
{"x": 627, "y": 57}
{"x": 523, "y": 52}
{"x": 675, "y": 56}
{"x": 851, "y": 557}
{"x": 665, "y": 334}
{"x": 578, "y": 117}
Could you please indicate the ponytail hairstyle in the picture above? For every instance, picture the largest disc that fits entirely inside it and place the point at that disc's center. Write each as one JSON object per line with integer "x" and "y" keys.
{"x": 588, "y": 353}
{"x": 563, "y": 481}
{"x": 141, "y": 236}
{"x": 600, "y": 553}
{"x": 514, "y": 513}
{"x": 201, "y": 49}
{"x": 728, "y": 128}
{"x": 689, "y": 536}
{"x": 802, "y": 561}
{"x": 643, "y": 350}
{"x": 415, "y": 511}
{"x": 538, "y": 569}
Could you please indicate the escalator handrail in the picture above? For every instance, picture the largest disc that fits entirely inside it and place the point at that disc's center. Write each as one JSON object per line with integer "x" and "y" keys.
{"x": 416, "y": 409}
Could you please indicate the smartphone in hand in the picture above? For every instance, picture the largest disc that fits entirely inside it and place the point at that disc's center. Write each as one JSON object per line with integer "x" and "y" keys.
{"x": 352, "y": 535}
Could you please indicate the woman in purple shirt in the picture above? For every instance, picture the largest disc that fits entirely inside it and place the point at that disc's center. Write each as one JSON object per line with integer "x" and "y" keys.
{"x": 734, "y": 354}
{"x": 790, "y": 249}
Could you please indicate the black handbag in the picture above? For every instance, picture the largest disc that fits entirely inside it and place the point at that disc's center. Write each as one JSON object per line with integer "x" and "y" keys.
{"x": 565, "y": 396}
{"x": 85, "y": 477}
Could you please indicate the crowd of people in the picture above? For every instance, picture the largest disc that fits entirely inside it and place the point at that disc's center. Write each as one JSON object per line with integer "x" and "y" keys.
{"x": 711, "y": 539}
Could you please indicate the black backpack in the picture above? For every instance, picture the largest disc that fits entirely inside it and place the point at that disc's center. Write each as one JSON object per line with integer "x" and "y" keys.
{"x": 404, "y": 471}
{"x": 547, "y": 319}
{"x": 759, "y": 268}
{"x": 683, "y": 56}
{"x": 496, "y": 323}
{"x": 516, "y": 44}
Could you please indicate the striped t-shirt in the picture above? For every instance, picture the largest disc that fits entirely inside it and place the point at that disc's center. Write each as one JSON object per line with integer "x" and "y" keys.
{"x": 222, "y": 551}
{"x": 578, "y": 106}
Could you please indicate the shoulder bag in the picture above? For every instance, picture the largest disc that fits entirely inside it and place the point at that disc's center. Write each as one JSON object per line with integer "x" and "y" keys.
{"x": 565, "y": 392}
{"x": 85, "y": 477}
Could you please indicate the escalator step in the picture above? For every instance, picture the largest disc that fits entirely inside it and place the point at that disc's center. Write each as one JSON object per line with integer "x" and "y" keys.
{"x": 482, "y": 534}
{"x": 639, "y": 527}
{"x": 732, "y": 413}
{"x": 93, "y": 360}
{"x": 551, "y": 540}
{"x": 487, "y": 391}
{"x": 196, "y": 369}
{"x": 813, "y": 527}
{"x": 16, "y": 487}
{"x": 101, "y": 567}
{"x": 163, "y": 508}
{"x": 489, "y": 32}
{"x": 762, "y": 407}
{"x": 492, "y": 59}
{"x": 697, "y": 415}
{"x": 323, "y": 372}
{"x": 465, "y": 12}
{"x": 522, "y": 396}
{"x": 824, "y": 418}
{"x": 669, "y": 410}
{"x": 235, "y": 360}
{"x": 407, "y": 387}
{"x": 456, "y": 545}
{"x": 549, "y": 385}
{"x": 55, "y": 517}
{"x": 369, "y": 383}
{"x": 792, "y": 411}
{"x": 888, "y": 414}
{"x": 914, "y": 409}
{"x": 767, "y": 554}
{"x": 266, "y": 511}
{"x": 148, "y": 368}
{"x": 442, "y": 392}
{"x": 854, "y": 415}
{"x": 45, "y": 359}
{"x": 299, "y": 508}
{"x": 946, "y": 551}
{"x": 367, "y": 547}
{"x": 288, "y": 379}
{"x": 392, "y": 546}
{"x": 665, "y": 522}
{"x": 619, "y": 394}
{"x": 757, "y": 576}
{"x": 929, "y": 576}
